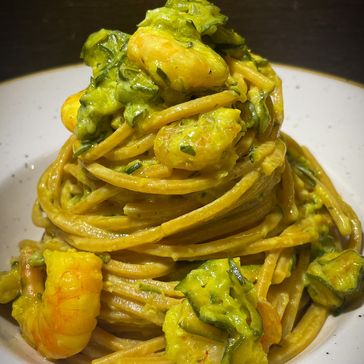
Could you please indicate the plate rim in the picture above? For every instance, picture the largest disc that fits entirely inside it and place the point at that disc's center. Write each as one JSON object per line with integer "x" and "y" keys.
{"x": 80, "y": 66}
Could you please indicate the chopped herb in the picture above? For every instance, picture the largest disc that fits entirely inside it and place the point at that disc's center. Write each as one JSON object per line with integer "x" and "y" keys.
{"x": 249, "y": 114}
{"x": 163, "y": 75}
{"x": 302, "y": 168}
{"x": 149, "y": 288}
{"x": 263, "y": 113}
{"x": 133, "y": 167}
{"x": 134, "y": 84}
{"x": 234, "y": 269}
{"x": 96, "y": 81}
{"x": 105, "y": 257}
{"x": 82, "y": 149}
{"x": 133, "y": 112}
{"x": 307, "y": 173}
{"x": 188, "y": 149}
{"x": 214, "y": 298}
{"x": 251, "y": 153}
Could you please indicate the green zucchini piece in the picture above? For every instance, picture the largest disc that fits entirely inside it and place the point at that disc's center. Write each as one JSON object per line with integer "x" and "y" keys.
{"x": 193, "y": 325}
{"x": 222, "y": 296}
{"x": 208, "y": 290}
{"x": 335, "y": 278}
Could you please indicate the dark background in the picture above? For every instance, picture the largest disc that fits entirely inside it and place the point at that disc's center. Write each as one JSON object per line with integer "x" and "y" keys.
{"x": 325, "y": 35}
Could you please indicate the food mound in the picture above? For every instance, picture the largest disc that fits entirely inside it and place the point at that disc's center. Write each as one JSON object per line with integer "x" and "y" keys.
{"x": 181, "y": 225}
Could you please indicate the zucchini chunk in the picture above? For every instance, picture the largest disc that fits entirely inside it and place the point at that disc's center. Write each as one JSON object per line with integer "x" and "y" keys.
{"x": 222, "y": 297}
{"x": 335, "y": 278}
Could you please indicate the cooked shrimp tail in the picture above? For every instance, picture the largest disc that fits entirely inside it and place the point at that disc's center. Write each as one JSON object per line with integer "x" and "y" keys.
{"x": 58, "y": 307}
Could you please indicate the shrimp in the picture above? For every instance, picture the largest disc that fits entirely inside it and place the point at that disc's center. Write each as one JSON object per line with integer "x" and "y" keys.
{"x": 181, "y": 66}
{"x": 69, "y": 110}
{"x": 58, "y": 320}
{"x": 203, "y": 143}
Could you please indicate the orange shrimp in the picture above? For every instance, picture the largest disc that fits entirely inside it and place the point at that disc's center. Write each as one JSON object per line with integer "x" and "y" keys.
{"x": 69, "y": 110}
{"x": 185, "y": 67}
{"x": 203, "y": 143}
{"x": 58, "y": 320}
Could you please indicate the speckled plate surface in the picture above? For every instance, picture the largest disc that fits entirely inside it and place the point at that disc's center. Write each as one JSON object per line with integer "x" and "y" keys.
{"x": 322, "y": 112}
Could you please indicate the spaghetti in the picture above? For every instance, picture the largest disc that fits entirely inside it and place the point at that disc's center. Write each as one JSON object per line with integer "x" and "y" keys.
{"x": 172, "y": 167}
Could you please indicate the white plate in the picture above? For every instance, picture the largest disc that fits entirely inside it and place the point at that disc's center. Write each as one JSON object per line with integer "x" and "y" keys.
{"x": 322, "y": 112}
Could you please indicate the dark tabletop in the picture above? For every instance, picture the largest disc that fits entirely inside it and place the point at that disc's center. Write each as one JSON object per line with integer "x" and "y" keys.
{"x": 325, "y": 35}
